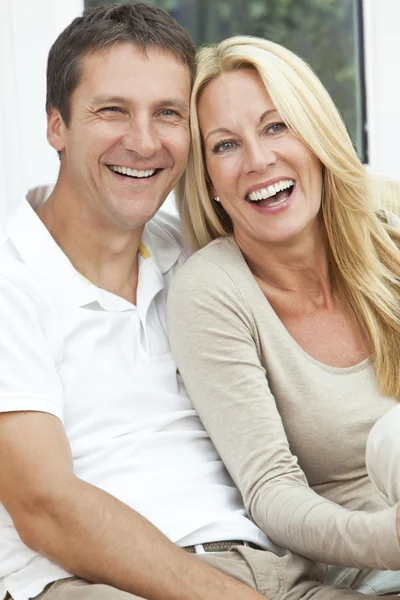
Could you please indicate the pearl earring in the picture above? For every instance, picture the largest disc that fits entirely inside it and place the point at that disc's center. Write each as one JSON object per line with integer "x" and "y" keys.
{"x": 217, "y": 199}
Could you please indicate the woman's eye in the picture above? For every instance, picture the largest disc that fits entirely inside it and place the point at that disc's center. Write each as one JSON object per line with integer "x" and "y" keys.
{"x": 224, "y": 146}
{"x": 276, "y": 128}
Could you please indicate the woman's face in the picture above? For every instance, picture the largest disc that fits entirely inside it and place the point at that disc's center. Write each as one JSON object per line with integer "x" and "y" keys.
{"x": 267, "y": 180}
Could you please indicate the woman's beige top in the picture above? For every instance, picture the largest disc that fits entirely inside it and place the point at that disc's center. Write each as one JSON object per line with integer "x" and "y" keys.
{"x": 291, "y": 430}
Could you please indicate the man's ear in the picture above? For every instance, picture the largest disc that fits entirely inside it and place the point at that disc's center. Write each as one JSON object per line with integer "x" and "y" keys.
{"x": 56, "y": 129}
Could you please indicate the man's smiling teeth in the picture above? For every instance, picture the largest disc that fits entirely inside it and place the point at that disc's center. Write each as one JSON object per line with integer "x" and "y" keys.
{"x": 271, "y": 190}
{"x": 132, "y": 172}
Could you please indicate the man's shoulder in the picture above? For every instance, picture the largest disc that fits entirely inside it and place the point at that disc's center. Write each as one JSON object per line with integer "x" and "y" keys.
{"x": 18, "y": 281}
{"x": 165, "y": 229}
{"x": 167, "y": 245}
{"x": 11, "y": 264}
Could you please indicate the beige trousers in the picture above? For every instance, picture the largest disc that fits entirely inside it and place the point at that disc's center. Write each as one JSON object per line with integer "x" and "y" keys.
{"x": 278, "y": 578}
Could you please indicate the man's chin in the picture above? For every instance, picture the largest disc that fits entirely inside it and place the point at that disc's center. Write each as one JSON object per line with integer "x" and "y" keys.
{"x": 134, "y": 215}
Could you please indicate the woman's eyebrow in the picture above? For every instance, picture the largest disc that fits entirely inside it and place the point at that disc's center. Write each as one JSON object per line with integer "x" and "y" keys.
{"x": 218, "y": 130}
{"x": 267, "y": 113}
{"x": 225, "y": 131}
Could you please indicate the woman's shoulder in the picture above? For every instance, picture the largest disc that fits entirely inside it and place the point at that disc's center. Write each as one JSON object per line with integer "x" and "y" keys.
{"x": 215, "y": 281}
{"x": 222, "y": 255}
{"x": 222, "y": 251}
{"x": 217, "y": 269}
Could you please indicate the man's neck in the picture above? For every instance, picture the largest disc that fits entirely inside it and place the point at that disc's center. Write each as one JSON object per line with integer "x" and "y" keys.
{"x": 105, "y": 256}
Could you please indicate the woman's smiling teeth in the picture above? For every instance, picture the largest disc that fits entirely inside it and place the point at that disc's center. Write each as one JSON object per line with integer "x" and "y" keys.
{"x": 132, "y": 172}
{"x": 270, "y": 191}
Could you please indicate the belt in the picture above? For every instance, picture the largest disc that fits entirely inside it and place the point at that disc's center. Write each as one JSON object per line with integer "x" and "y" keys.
{"x": 219, "y": 546}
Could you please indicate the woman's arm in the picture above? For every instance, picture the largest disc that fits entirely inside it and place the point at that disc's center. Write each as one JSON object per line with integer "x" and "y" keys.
{"x": 215, "y": 344}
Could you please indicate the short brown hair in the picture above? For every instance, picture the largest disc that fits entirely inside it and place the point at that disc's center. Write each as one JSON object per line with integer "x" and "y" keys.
{"x": 101, "y": 27}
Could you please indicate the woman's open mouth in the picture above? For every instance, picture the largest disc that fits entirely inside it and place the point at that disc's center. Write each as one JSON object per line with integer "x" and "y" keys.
{"x": 273, "y": 195}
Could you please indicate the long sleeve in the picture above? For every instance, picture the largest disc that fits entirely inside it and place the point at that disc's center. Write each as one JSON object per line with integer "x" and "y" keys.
{"x": 216, "y": 345}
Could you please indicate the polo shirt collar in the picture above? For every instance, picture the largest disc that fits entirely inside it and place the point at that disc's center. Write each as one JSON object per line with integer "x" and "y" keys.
{"x": 156, "y": 245}
{"x": 45, "y": 257}
{"x": 156, "y": 258}
{"x": 42, "y": 254}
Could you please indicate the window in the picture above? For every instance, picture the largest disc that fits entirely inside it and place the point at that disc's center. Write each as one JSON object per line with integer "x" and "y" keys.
{"x": 326, "y": 33}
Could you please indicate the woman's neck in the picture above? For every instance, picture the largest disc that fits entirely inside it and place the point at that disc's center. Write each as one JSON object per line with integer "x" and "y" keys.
{"x": 299, "y": 269}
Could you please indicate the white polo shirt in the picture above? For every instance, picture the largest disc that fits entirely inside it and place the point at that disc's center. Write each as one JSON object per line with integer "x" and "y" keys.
{"x": 103, "y": 366}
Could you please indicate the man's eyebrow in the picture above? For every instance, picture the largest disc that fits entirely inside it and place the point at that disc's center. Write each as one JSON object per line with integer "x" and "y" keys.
{"x": 225, "y": 131}
{"x": 98, "y": 100}
{"x": 173, "y": 103}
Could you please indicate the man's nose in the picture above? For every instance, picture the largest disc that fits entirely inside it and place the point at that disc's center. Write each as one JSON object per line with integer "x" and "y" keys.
{"x": 142, "y": 138}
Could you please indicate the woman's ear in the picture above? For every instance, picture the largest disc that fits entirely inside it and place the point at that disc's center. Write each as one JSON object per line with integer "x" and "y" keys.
{"x": 211, "y": 192}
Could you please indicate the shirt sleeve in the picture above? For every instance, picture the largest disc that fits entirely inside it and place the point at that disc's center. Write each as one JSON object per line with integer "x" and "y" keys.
{"x": 392, "y": 219}
{"x": 29, "y": 346}
{"x": 215, "y": 343}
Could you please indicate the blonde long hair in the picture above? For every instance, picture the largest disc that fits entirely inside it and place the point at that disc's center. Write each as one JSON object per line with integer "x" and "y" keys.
{"x": 363, "y": 252}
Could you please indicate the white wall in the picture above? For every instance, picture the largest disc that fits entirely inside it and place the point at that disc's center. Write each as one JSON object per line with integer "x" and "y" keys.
{"x": 382, "y": 58}
{"x": 27, "y": 30}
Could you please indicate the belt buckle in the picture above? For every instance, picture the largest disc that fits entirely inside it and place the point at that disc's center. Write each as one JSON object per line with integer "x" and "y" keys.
{"x": 199, "y": 548}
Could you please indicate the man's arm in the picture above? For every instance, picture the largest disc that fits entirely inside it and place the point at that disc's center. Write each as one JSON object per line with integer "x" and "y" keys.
{"x": 87, "y": 531}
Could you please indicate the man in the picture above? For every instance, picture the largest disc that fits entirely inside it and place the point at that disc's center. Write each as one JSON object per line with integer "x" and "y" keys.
{"x": 105, "y": 467}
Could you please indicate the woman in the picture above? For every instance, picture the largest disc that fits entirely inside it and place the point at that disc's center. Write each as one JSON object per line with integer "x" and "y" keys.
{"x": 286, "y": 324}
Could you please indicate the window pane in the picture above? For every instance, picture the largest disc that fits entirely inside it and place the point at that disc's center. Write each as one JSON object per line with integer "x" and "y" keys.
{"x": 326, "y": 33}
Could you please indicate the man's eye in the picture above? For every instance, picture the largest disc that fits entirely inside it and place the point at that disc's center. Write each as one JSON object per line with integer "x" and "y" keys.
{"x": 224, "y": 146}
{"x": 112, "y": 109}
{"x": 169, "y": 112}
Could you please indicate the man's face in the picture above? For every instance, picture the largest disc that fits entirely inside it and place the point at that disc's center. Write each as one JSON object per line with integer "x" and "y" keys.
{"x": 128, "y": 138}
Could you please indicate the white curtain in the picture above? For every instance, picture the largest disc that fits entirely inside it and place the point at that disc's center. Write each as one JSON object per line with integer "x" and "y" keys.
{"x": 10, "y": 132}
{"x": 27, "y": 30}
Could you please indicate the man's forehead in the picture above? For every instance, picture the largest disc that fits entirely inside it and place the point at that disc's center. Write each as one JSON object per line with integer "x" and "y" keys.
{"x": 124, "y": 68}
{"x": 150, "y": 56}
